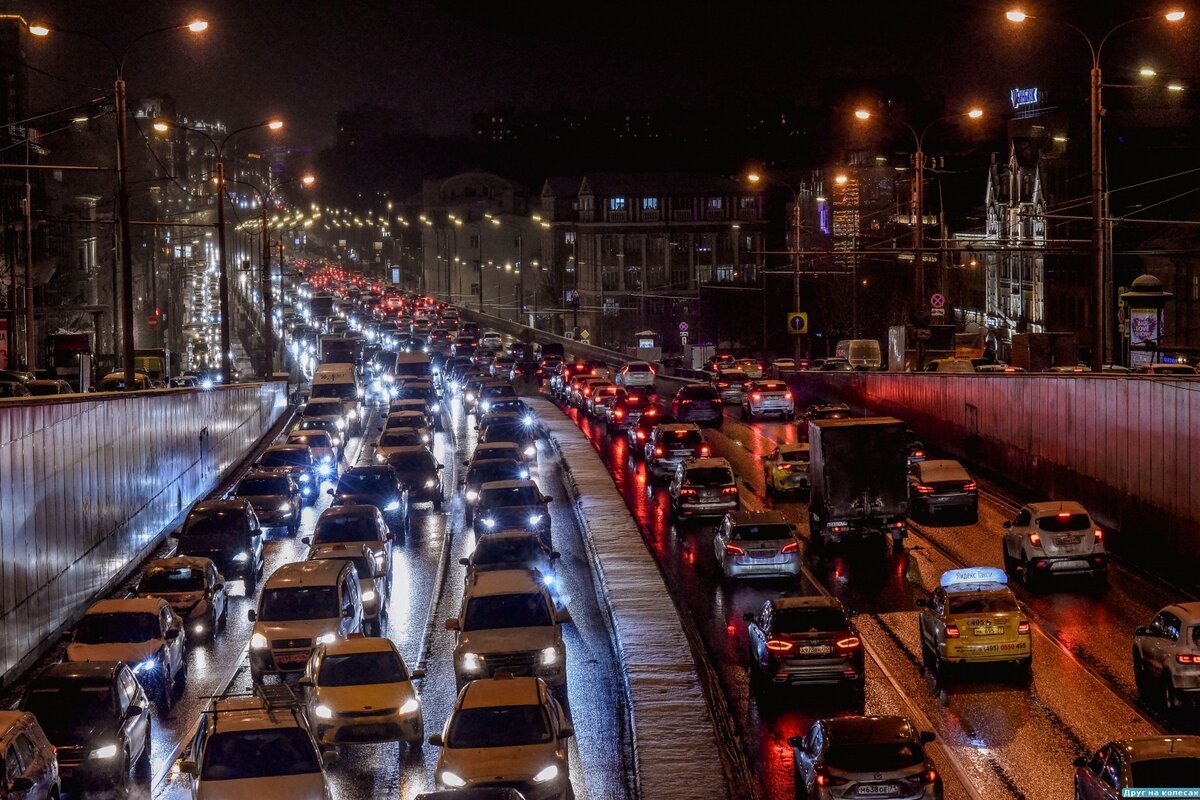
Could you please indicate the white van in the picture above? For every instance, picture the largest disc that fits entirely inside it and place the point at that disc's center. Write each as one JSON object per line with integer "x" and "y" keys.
{"x": 861, "y": 353}
{"x": 339, "y": 381}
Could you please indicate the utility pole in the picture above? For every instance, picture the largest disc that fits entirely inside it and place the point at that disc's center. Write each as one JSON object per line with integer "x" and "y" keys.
{"x": 30, "y": 334}
{"x": 1098, "y": 326}
{"x": 268, "y": 301}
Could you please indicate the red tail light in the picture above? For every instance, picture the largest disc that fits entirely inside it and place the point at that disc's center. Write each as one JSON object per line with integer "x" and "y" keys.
{"x": 641, "y": 436}
{"x": 788, "y": 394}
{"x": 951, "y": 631}
{"x": 1187, "y": 658}
{"x": 918, "y": 454}
{"x": 923, "y": 489}
{"x": 687, "y": 492}
{"x": 849, "y": 643}
{"x": 1099, "y": 535}
{"x": 619, "y": 414}
{"x": 929, "y": 776}
{"x": 722, "y": 385}
{"x": 658, "y": 451}
{"x": 756, "y": 396}
{"x": 734, "y": 550}
{"x": 1022, "y": 627}
{"x": 729, "y": 490}
{"x": 1035, "y": 539}
{"x": 824, "y": 779}
{"x": 790, "y": 547}
{"x": 970, "y": 486}
{"x": 704, "y": 451}
{"x": 778, "y": 645}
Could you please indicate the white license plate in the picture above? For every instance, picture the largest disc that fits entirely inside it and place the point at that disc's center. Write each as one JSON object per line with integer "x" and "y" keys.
{"x": 876, "y": 789}
{"x": 1067, "y": 541}
{"x": 763, "y": 553}
{"x": 813, "y": 650}
{"x": 989, "y": 631}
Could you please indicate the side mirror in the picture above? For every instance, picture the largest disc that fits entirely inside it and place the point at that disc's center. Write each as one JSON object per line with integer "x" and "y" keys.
{"x": 436, "y": 740}
{"x": 1081, "y": 761}
{"x": 172, "y": 633}
{"x": 927, "y": 737}
{"x": 466, "y": 463}
{"x": 389, "y": 537}
{"x": 134, "y": 711}
{"x": 1007, "y": 524}
{"x": 852, "y": 613}
{"x": 306, "y": 540}
{"x": 329, "y": 492}
{"x": 452, "y": 624}
{"x": 218, "y": 587}
{"x": 441, "y": 466}
{"x": 555, "y": 554}
{"x": 921, "y": 602}
{"x": 328, "y": 757}
{"x": 251, "y": 615}
{"x": 187, "y": 767}
{"x": 547, "y": 499}
{"x": 748, "y": 616}
{"x": 1143, "y": 630}
{"x": 563, "y": 617}
{"x": 566, "y": 733}
{"x": 416, "y": 673}
{"x": 466, "y": 562}
{"x": 798, "y": 742}
{"x": 305, "y": 681}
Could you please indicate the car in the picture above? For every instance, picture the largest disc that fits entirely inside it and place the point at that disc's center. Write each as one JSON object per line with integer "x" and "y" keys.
{"x": 582, "y": 388}
{"x": 377, "y": 486}
{"x": 806, "y": 641}
{"x": 115, "y": 382}
{"x": 836, "y": 365}
{"x": 337, "y": 437}
{"x": 41, "y": 388}
{"x": 757, "y": 544}
{"x": 257, "y": 745}
{"x": 875, "y": 756}
{"x": 508, "y": 405}
{"x": 512, "y": 549}
{"x": 916, "y": 448}
{"x": 14, "y": 389}
{"x": 767, "y": 398}
{"x": 297, "y": 461}
{"x": 395, "y": 439}
{"x": 512, "y": 505}
{"x": 360, "y": 691}
{"x": 785, "y": 470}
{"x": 488, "y": 470}
{"x": 509, "y": 427}
{"x": 421, "y": 472}
{"x": 473, "y": 391}
{"x": 193, "y": 588}
{"x": 942, "y": 486}
{"x": 624, "y": 411}
{"x": 782, "y": 365}
{"x": 702, "y": 487}
{"x": 973, "y": 617}
{"x": 638, "y": 433}
{"x": 275, "y": 498}
{"x": 303, "y": 604}
{"x": 329, "y": 409}
{"x": 356, "y": 524}
{"x": 951, "y": 366}
{"x": 1149, "y": 763}
{"x": 323, "y": 450}
{"x": 502, "y": 367}
{"x": 421, "y": 405}
{"x": 1053, "y": 539}
{"x": 499, "y": 450}
{"x": 698, "y": 403}
{"x": 750, "y": 366}
{"x": 506, "y": 732}
{"x": 670, "y": 445}
{"x": 1166, "y": 660}
{"x": 29, "y": 761}
{"x": 719, "y": 362}
{"x": 491, "y": 340}
{"x": 228, "y": 533}
{"x": 409, "y": 419}
{"x": 97, "y": 717}
{"x": 819, "y": 411}
{"x": 1160, "y": 370}
{"x": 730, "y": 385}
{"x": 373, "y": 579}
{"x": 999, "y": 369}
{"x": 491, "y": 393}
{"x": 636, "y": 376}
{"x": 602, "y": 396}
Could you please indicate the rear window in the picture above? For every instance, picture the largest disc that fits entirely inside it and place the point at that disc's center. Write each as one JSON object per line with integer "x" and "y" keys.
{"x": 806, "y": 620}
{"x": 771, "y": 531}
{"x": 675, "y": 438}
{"x": 510, "y": 496}
{"x": 214, "y": 524}
{"x": 698, "y": 393}
{"x": 414, "y": 462}
{"x": 502, "y": 471}
{"x": 982, "y": 603}
{"x": 400, "y": 437}
{"x": 1166, "y": 773}
{"x": 638, "y": 367}
{"x": 345, "y": 528}
{"x": 794, "y": 456}
{"x": 709, "y": 476}
{"x": 504, "y": 432}
{"x": 285, "y": 458}
{"x": 497, "y": 550}
{"x": 875, "y": 756}
{"x": 366, "y": 483}
{"x": 314, "y": 439}
{"x": 1061, "y": 524}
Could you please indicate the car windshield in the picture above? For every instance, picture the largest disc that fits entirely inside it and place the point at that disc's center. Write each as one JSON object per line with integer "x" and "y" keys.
{"x": 505, "y": 404}
{"x": 708, "y": 476}
{"x": 345, "y": 528}
{"x": 358, "y": 669}
{"x": 408, "y": 420}
{"x": 410, "y": 393}
{"x": 1062, "y": 524}
{"x": 499, "y": 726}
{"x": 991, "y": 603}
{"x": 117, "y": 628}
{"x": 342, "y": 391}
{"x": 260, "y": 487}
{"x": 874, "y": 756}
{"x": 497, "y": 391}
{"x": 371, "y": 483}
{"x": 500, "y": 471}
{"x": 1166, "y": 773}
{"x": 318, "y": 425}
{"x": 175, "y": 579}
{"x": 222, "y": 523}
{"x": 304, "y": 602}
{"x": 807, "y": 620}
{"x": 500, "y": 550}
{"x": 698, "y": 393}
{"x": 762, "y": 533}
{"x": 794, "y": 455}
{"x": 326, "y": 408}
{"x": 510, "y": 496}
{"x": 263, "y": 753}
{"x": 285, "y": 458}
{"x": 507, "y": 611}
{"x": 734, "y": 377}
{"x": 400, "y": 437}
{"x": 69, "y": 706}
{"x": 503, "y": 432}
{"x": 319, "y": 439}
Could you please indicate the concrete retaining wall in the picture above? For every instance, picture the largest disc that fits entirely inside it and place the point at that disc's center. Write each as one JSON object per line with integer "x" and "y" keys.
{"x": 87, "y": 486}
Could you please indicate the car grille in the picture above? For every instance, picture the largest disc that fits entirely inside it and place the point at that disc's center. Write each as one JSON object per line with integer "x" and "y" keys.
{"x": 290, "y": 644}
{"x": 377, "y": 712}
{"x": 516, "y": 663}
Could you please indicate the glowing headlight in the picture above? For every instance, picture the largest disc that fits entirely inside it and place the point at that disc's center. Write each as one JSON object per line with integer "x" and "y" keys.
{"x": 392, "y": 506}
{"x": 434, "y": 407}
{"x": 528, "y": 421}
{"x": 470, "y": 661}
{"x": 341, "y": 424}
{"x": 429, "y": 484}
{"x": 146, "y": 665}
{"x": 107, "y": 751}
{"x": 242, "y": 557}
{"x": 324, "y": 469}
{"x": 534, "y": 519}
{"x": 548, "y": 580}
{"x": 486, "y": 406}
{"x": 389, "y": 378}
{"x": 323, "y": 712}
{"x": 453, "y": 781}
{"x": 548, "y": 774}
{"x": 204, "y": 384}
{"x": 258, "y": 642}
{"x": 491, "y": 523}
{"x": 425, "y": 438}
{"x": 305, "y": 477}
{"x": 353, "y": 413}
{"x": 549, "y": 656}
{"x": 327, "y": 638}
{"x": 368, "y": 595}
{"x": 327, "y": 458}
{"x": 472, "y": 495}
{"x": 377, "y": 387}
{"x": 530, "y": 451}
{"x": 380, "y": 457}
{"x": 410, "y": 706}
{"x": 470, "y": 396}
{"x": 285, "y": 507}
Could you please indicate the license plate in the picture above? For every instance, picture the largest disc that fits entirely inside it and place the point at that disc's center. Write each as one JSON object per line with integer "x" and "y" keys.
{"x": 763, "y": 553}
{"x": 1067, "y": 541}
{"x": 681, "y": 452}
{"x": 876, "y": 789}
{"x": 988, "y": 630}
{"x": 813, "y": 650}
{"x": 291, "y": 658}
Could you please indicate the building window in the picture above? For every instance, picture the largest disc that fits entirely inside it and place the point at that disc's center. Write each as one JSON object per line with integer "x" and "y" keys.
{"x": 749, "y": 203}
{"x": 616, "y": 204}
{"x": 714, "y": 203}
{"x": 474, "y": 242}
{"x": 569, "y": 237}
{"x": 650, "y": 204}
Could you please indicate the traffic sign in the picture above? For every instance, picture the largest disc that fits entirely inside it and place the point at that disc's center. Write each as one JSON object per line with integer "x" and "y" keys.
{"x": 937, "y": 313}
{"x": 152, "y": 321}
{"x": 797, "y": 322}
{"x": 584, "y": 335}
{"x": 938, "y": 300}
{"x": 683, "y": 327}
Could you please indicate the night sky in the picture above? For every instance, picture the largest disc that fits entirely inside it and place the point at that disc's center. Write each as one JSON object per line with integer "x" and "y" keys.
{"x": 436, "y": 63}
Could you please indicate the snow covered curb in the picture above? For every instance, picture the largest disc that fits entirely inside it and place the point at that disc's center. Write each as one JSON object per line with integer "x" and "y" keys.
{"x": 675, "y": 748}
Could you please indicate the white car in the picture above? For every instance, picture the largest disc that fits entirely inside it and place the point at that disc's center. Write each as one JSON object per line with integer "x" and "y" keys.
{"x": 506, "y": 731}
{"x": 373, "y": 586}
{"x": 635, "y": 376}
{"x": 490, "y": 340}
{"x": 143, "y": 632}
{"x": 359, "y": 691}
{"x": 1053, "y": 538}
{"x": 1166, "y": 659}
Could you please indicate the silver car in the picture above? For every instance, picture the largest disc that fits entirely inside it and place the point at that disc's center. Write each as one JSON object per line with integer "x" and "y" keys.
{"x": 757, "y": 544}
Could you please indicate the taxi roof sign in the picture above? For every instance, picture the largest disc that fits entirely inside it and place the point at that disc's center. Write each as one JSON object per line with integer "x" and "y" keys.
{"x": 972, "y": 575}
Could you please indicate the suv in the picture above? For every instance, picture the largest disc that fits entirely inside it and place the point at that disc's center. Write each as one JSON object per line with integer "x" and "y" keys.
{"x": 489, "y": 470}
{"x": 416, "y": 468}
{"x": 275, "y": 498}
{"x": 757, "y": 544}
{"x": 703, "y": 487}
{"x": 508, "y": 624}
{"x": 1054, "y": 538}
{"x": 1166, "y": 659}
{"x": 510, "y": 427}
{"x": 1149, "y": 763}
{"x": 506, "y": 732}
{"x": 194, "y": 590}
{"x": 228, "y": 533}
{"x": 98, "y": 719}
{"x": 698, "y": 403}
{"x": 873, "y": 756}
{"x": 764, "y": 397}
{"x": 297, "y": 461}
{"x": 304, "y": 603}
{"x": 670, "y": 445}
{"x": 636, "y": 376}
{"x": 141, "y": 632}
{"x": 942, "y": 485}
{"x": 378, "y": 487}
{"x": 372, "y": 580}
{"x": 30, "y": 765}
{"x": 806, "y": 641}
{"x": 256, "y": 745}
{"x": 511, "y": 550}
{"x": 512, "y": 505}
{"x": 355, "y": 524}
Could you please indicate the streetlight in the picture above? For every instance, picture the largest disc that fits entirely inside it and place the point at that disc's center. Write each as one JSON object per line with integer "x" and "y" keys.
{"x": 918, "y": 201}
{"x": 1099, "y": 318}
{"x": 162, "y": 126}
{"x": 121, "y": 112}
{"x": 755, "y": 178}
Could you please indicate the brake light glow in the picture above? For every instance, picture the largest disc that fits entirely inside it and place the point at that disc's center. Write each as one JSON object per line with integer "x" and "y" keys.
{"x": 641, "y": 436}
{"x": 929, "y": 776}
{"x": 1099, "y": 535}
{"x": 779, "y": 646}
{"x": 1187, "y": 658}
{"x": 918, "y": 454}
{"x": 1064, "y": 515}
{"x": 756, "y": 396}
{"x": 828, "y": 780}
{"x": 619, "y": 414}
{"x": 705, "y": 451}
{"x": 658, "y": 451}
{"x": 790, "y": 547}
{"x": 970, "y": 486}
{"x": 687, "y": 492}
{"x": 729, "y": 490}
{"x": 849, "y": 643}
{"x": 1035, "y": 539}
{"x": 924, "y": 489}
{"x": 1022, "y": 627}
{"x": 734, "y": 550}
{"x": 951, "y": 631}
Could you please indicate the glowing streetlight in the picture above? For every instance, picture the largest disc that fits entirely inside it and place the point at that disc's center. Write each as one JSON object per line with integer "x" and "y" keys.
{"x": 309, "y": 180}
{"x": 840, "y": 179}
{"x": 975, "y": 113}
{"x": 1016, "y": 15}
{"x": 862, "y": 113}
{"x": 754, "y": 177}
{"x": 1174, "y": 16}
{"x": 1175, "y": 87}
{"x": 198, "y": 26}
{"x": 1147, "y": 72}
{"x": 38, "y": 29}
{"x": 275, "y": 124}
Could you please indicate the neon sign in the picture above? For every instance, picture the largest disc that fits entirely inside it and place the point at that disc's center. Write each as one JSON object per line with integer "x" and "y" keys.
{"x": 1025, "y": 97}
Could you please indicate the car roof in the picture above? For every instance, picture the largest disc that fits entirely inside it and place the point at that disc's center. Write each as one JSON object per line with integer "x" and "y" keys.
{"x": 807, "y": 601}
{"x": 1188, "y": 613}
{"x": 249, "y": 714}
{"x": 679, "y": 426}
{"x": 758, "y": 518}
{"x": 514, "y": 484}
{"x": 260, "y": 474}
{"x": 361, "y": 644}
{"x": 306, "y": 573}
{"x": 509, "y": 534}
{"x": 372, "y": 469}
{"x": 859, "y": 730}
{"x": 220, "y": 506}
{"x": 68, "y": 671}
{"x": 941, "y": 470}
{"x": 1056, "y": 507}
{"x": 131, "y": 605}
{"x": 706, "y": 463}
{"x": 504, "y": 581}
{"x": 1150, "y": 747}
{"x": 791, "y": 447}
{"x": 286, "y": 448}
{"x": 506, "y": 691}
{"x": 178, "y": 562}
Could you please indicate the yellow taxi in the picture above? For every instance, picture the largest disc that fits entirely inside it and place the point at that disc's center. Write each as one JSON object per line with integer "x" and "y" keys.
{"x": 785, "y": 470}
{"x": 973, "y": 617}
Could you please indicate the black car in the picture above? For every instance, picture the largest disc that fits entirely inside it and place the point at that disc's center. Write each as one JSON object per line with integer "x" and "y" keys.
{"x": 508, "y": 405}
{"x": 275, "y": 498}
{"x": 512, "y": 505}
{"x": 97, "y": 716}
{"x": 639, "y": 432}
{"x": 297, "y": 461}
{"x": 489, "y": 470}
{"x": 228, "y": 532}
{"x": 375, "y": 486}
{"x": 510, "y": 428}
{"x": 489, "y": 395}
{"x": 416, "y": 468}
{"x": 806, "y": 641}
{"x": 700, "y": 404}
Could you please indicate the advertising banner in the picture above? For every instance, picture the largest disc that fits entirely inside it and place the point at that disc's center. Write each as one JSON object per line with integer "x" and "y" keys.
{"x": 1143, "y": 326}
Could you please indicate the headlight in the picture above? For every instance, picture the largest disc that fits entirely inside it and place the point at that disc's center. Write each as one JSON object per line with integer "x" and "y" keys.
{"x": 548, "y": 774}
{"x": 470, "y": 661}
{"x": 472, "y": 495}
{"x": 327, "y": 638}
{"x": 285, "y": 507}
{"x": 528, "y": 420}
{"x": 341, "y": 424}
{"x": 524, "y": 474}
{"x": 242, "y": 557}
{"x": 327, "y": 458}
{"x": 491, "y": 523}
{"x": 146, "y": 666}
{"x": 429, "y": 484}
{"x": 452, "y": 780}
{"x": 434, "y": 407}
{"x": 368, "y": 595}
{"x": 353, "y": 413}
{"x": 204, "y": 384}
{"x": 425, "y": 438}
{"x": 549, "y": 656}
{"x": 534, "y": 519}
{"x": 389, "y": 378}
{"x": 548, "y": 580}
{"x": 486, "y": 407}
{"x": 107, "y": 751}
{"x": 258, "y": 641}
{"x": 392, "y": 506}
{"x": 470, "y": 396}
{"x": 380, "y": 457}
{"x": 305, "y": 477}
{"x": 323, "y": 712}
{"x": 324, "y": 469}
{"x": 530, "y": 451}
{"x": 410, "y": 705}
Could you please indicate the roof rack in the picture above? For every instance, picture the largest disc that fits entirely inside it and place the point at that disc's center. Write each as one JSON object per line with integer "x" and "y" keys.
{"x": 275, "y": 697}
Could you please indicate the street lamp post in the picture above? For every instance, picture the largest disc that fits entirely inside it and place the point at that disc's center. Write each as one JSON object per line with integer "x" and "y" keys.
{"x": 796, "y": 224}
{"x": 1096, "y": 113}
{"x": 120, "y": 109}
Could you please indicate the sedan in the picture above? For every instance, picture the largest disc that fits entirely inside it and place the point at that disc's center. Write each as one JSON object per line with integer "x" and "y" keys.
{"x": 942, "y": 486}
{"x": 806, "y": 641}
{"x": 880, "y": 756}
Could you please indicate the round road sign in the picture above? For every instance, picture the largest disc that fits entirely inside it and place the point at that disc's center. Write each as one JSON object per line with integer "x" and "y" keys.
{"x": 938, "y": 300}
{"x": 683, "y": 327}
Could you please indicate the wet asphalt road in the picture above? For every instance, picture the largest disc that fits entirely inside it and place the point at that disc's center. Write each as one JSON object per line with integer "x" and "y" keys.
{"x": 1004, "y": 740}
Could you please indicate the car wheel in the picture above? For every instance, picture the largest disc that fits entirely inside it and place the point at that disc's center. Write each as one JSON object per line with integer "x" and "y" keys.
{"x": 926, "y": 655}
{"x": 142, "y": 767}
{"x": 856, "y": 697}
{"x": 437, "y": 502}
{"x": 1010, "y": 563}
{"x": 166, "y": 690}
{"x": 798, "y": 779}
{"x": 251, "y": 582}
{"x": 1025, "y": 671}
{"x": 1145, "y": 686}
{"x": 224, "y": 613}
{"x": 469, "y": 515}
{"x": 210, "y": 624}
{"x": 1171, "y": 701}
{"x": 941, "y": 671}
{"x": 1031, "y": 581}
{"x": 293, "y": 530}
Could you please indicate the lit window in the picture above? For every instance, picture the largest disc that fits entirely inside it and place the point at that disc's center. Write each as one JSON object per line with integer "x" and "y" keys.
{"x": 650, "y": 204}
{"x": 569, "y": 237}
{"x": 715, "y": 203}
{"x": 616, "y": 203}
